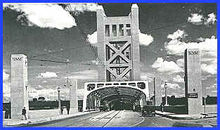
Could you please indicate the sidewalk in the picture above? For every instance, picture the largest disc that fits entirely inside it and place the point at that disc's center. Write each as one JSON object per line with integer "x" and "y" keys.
{"x": 17, "y": 122}
{"x": 184, "y": 116}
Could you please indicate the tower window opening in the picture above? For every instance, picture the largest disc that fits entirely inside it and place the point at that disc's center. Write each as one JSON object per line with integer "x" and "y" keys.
{"x": 128, "y": 29}
{"x": 100, "y": 85}
{"x": 107, "y": 31}
{"x": 132, "y": 84}
{"x": 141, "y": 85}
{"x": 114, "y": 30}
{"x": 121, "y": 30}
{"x": 90, "y": 87}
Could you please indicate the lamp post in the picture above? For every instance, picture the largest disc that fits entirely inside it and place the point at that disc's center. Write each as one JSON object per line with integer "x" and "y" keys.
{"x": 154, "y": 91}
{"x": 59, "y": 101}
{"x": 165, "y": 87}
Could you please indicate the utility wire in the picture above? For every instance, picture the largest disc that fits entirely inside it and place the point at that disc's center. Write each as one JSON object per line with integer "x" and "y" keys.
{"x": 84, "y": 35}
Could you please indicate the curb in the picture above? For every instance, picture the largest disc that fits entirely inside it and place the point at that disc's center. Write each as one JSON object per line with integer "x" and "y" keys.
{"x": 184, "y": 118}
{"x": 178, "y": 118}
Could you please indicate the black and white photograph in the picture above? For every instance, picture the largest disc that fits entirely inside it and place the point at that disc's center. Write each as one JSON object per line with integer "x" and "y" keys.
{"x": 109, "y": 65}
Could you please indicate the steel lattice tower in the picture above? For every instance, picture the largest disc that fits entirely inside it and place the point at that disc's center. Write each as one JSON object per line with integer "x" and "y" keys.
{"x": 118, "y": 46}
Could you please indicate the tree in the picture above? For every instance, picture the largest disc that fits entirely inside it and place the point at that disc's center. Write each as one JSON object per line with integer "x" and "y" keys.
{"x": 34, "y": 99}
{"x": 41, "y": 99}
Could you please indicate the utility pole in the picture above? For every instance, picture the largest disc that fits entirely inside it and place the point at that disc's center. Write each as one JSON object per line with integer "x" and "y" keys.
{"x": 165, "y": 87}
{"x": 59, "y": 100}
{"x": 205, "y": 97}
{"x": 154, "y": 91}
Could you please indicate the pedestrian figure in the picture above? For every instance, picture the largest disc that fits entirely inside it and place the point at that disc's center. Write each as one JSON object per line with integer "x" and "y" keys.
{"x": 9, "y": 113}
{"x": 6, "y": 113}
{"x": 61, "y": 110}
{"x": 161, "y": 107}
{"x": 24, "y": 113}
{"x": 68, "y": 109}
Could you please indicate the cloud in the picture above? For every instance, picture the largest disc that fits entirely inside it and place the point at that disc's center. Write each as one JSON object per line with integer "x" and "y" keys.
{"x": 172, "y": 86}
{"x": 78, "y": 8}
{"x": 199, "y": 19}
{"x": 6, "y": 89}
{"x": 6, "y": 86}
{"x": 144, "y": 39}
{"x": 163, "y": 66}
{"x": 214, "y": 86}
{"x": 180, "y": 63}
{"x": 178, "y": 79}
{"x": 42, "y": 15}
{"x": 196, "y": 19}
{"x": 147, "y": 77}
{"x": 176, "y": 35}
{"x": 49, "y": 94}
{"x": 86, "y": 74}
{"x": 92, "y": 38}
{"x": 39, "y": 87}
{"x": 211, "y": 19}
{"x": 47, "y": 75}
{"x": 207, "y": 46}
{"x": 210, "y": 68}
{"x": 5, "y": 76}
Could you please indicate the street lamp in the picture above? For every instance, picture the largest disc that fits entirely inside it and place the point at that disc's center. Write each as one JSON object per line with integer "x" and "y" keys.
{"x": 165, "y": 87}
{"x": 59, "y": 100}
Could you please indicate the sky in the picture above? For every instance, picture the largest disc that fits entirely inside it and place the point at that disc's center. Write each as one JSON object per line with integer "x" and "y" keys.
{"x": 62, "y": 32}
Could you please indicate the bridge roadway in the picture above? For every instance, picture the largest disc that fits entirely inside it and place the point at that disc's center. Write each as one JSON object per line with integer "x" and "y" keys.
{"x": 122, "y": 118}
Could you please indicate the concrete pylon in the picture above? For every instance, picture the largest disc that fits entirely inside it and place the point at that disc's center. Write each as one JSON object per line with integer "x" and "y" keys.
{"x": 135, "y": 42}
{"x": 193, "y": 81}
{"x": 19, "y": 85}
{"x": 73, "y": 96}
{"x": 157, "y": 92}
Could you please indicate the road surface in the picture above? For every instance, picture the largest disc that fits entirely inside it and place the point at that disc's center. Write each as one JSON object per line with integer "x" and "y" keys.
{"x": 122, "y": 118}
{"x": 101, "y": 119}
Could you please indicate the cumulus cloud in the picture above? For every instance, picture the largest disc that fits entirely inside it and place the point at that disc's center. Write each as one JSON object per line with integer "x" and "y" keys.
{"x": 5, "y": 75}
{"x": 92, "y": 38}
{"x": 214, "y": 86}
{"x": 78, "y": 8}
{"x": 210, "y": 67}
{"x": 196, "y": 19}
{"x": 180, "y": 63}
{"x": 42, "y": 15}
{"x": 178, "y": 79}
{"x": 6, "y": 89}
{"x": 86, "y": 74}
{"x": 144, "y": 39}
{"x": 211, "y": 19}
{"x": 49, "y": 93}
{"x": 47, "y": 75}
{"x": 176, "y": 35}
{"x": 147, "y": 77}
{"x": 6, "y": 86}
{"x": 163, "y": 66}
{"x": 207, "y": 46}
{"x": 172, "y": 86}
{"x": 199, "y": 19}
